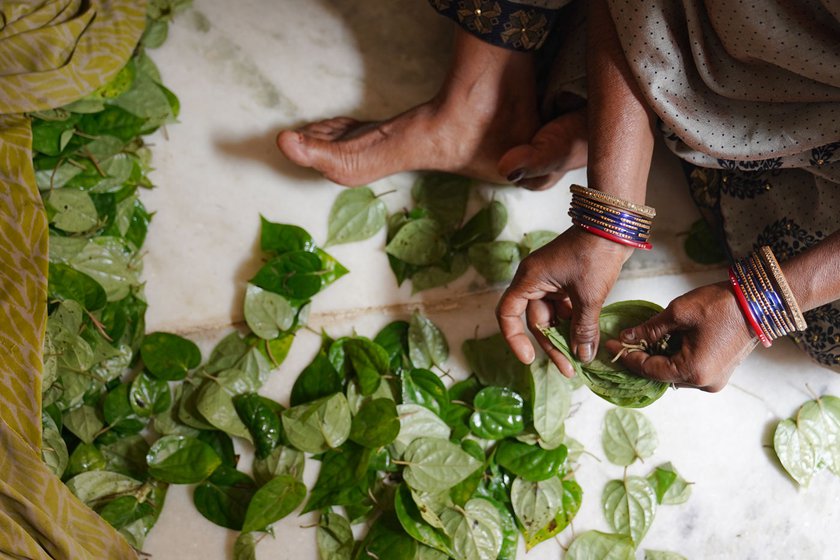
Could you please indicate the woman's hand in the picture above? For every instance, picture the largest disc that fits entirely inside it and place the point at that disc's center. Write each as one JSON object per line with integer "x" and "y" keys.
{"x": 568, "y": 278}
{"x": 714, "y": 337}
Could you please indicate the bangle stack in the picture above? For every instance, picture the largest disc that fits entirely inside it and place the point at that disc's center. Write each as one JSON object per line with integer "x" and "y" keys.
{"x": 612, "y": 218}
{"x": 765, "y": 296}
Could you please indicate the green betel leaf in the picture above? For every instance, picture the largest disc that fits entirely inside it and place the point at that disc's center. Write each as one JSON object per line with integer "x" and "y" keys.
{"x": 331, "y": 269}
{"x": 74, "y": 211}
{"x": 295, "y": 275}
{"x": 435, "y": 465}
{"x": 214, "y": 401}
{"x": 417, "y": 421}
{"x": 419, "y": 242}
{"x": 319, "y": 425}
{"x": 551, "y": 395}
{"x": 181, "y": 460}
{"x": 118, "y": 412}
{"x": 572, "y": 498}
{"x": 318, "y": 379}
{"x": 168, "y": 356}
{"x": 534, "y": 240}
{"x": 702, "y": 245}
{"x": 281, "y": 460}
{"x": 355, "y": 215}
{"x": 662, "y": 555}
{"x": 92, "y": 486}
{"x": 412, "y": 521}
{"x": 224, "y": 498}
{"x": 475, "y": 530}
{"x": 530, "y": 462}
{"x": 127, "y": 455}
{"x": 387, "y": 539}
{"x": 86, "y": 457}
{"x": 496, "y": 261}
{"x": 84, "y": 422}
{"x": 443, "y": 197}
{"x": 334, "y": 537}
{"x": 222, "y": 444}
{"x": 670, "y": 487}
{"x": 394, "y": 339}
{"x": 493, "y": 363}
{"x": 510, "y": 532}
{"x": 278, "y": 498}
{"x": 629, "y": 506}
{"x": 483, "y": 227}
{"x": 125, "y": 510}
{"x": 284, "y": 238}
{"x": 149, "y": 396}
{"x": 498, "y": 413}
{"x": 263, "y": 423}
{"x": 423, "y": 387}
{"x": 536, "y": 504}
{"x": 376, "y": 424}
{"x": 245, "y": 546}
{"x": 433, "y": 276}
{"x": 65, "y": 283}
{"x": 427, "y": 346}
{"x": 368, "y": 361}
{"x": 111, "y": 263}
{"x": 628, "y": 435}
{"x": 266, "y": 313}
{"x": 344, "y": 478}
{"x": 595, "y": 545}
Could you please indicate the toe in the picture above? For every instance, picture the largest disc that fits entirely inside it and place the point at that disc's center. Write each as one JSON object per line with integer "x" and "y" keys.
{"x": 293, "y": 145}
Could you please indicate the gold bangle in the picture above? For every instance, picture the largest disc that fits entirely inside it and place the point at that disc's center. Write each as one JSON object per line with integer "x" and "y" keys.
{"x": 787, "y": 295}
{"x": 635, "y": 221}
{"x": 646, "y": 211}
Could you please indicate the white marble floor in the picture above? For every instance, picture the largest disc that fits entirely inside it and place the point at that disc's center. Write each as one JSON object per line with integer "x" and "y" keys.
{"x": 245, "y": 70}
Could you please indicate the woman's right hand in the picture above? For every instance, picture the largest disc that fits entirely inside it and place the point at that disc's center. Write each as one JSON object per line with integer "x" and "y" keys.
{"x": 569, "y": 278}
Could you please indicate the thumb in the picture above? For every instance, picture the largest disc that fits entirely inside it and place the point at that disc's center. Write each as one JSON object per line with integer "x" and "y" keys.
{"x": 585, "y": 330}
{"x": 651, "y": 330}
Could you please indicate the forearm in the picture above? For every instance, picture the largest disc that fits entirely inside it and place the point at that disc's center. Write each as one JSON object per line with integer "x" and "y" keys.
{"x": 814, "y": 274}
{"x": 621, "y": 126}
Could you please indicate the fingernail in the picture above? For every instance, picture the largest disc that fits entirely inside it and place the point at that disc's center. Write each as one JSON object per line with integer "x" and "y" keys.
{"x": 516, "y": 175}
{"x": 585, "y": 352}
{"x": 628, "y": 335}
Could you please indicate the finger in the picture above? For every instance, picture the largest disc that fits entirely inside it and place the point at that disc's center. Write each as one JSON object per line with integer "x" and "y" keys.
{"x": 585, "y": 331}
{"x": 659, "y": 368}
{"x": 653, "y": 329}
{"x": 540, "y": 313}
{"x": 509, "y": 315}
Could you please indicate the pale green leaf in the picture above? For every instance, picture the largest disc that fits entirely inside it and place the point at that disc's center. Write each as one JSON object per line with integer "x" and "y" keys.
{"x": 475, "y": 530}
{"x": 496, "y": 261}
{"x": 355, "y": 215}
{"x": 663, "y": 555}
{"x": 417, "y": 421}
{"x": 74, "y": 210}
{"x": 595, "y": 545}
{"x": 629, "y": 506}
{"x": 84, "y": 422}
{"x": 426, "y": 344}
{"x": 628, "y": 435}
{"x": 334, "y": 537}
{"x": 419, "y": 242}
{"x": 320, "y": 425}
{"x": 266, "y": 313}
{"x": 551, "y": 394}
{"x": 435, "y": 465}
{"x": 536, "y": 504}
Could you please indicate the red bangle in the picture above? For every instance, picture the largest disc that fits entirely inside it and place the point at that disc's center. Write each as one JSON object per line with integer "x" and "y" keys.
{"x": 745, "y": 309}
{"x": 635, "y": 244}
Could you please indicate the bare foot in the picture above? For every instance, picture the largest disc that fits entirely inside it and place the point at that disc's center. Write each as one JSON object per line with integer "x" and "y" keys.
{"x": 486, "y": 106}
{"x": 559, "y": 146}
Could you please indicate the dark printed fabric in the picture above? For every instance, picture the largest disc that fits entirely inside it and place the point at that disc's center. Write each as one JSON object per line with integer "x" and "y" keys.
{"x": 520, "y": 26}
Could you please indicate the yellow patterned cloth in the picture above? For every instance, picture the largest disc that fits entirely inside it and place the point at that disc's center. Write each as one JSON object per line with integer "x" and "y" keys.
{"x": 52, "y": 52}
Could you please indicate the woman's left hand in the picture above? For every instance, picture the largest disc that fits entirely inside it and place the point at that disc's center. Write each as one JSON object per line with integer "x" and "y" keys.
{"x": 714, "y": 337}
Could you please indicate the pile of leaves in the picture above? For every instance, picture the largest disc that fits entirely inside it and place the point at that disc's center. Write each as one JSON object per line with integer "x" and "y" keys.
{"x": 431, "y": 244}
{"x": 603, "y": 375}
{"x": 810, "y": 441}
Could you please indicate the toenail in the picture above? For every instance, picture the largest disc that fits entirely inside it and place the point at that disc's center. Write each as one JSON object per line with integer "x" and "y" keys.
{"x": 516, "y": 175}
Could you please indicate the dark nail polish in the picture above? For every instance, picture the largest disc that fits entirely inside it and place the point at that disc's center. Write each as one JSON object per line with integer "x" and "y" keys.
{"x": 516, "y": 175}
